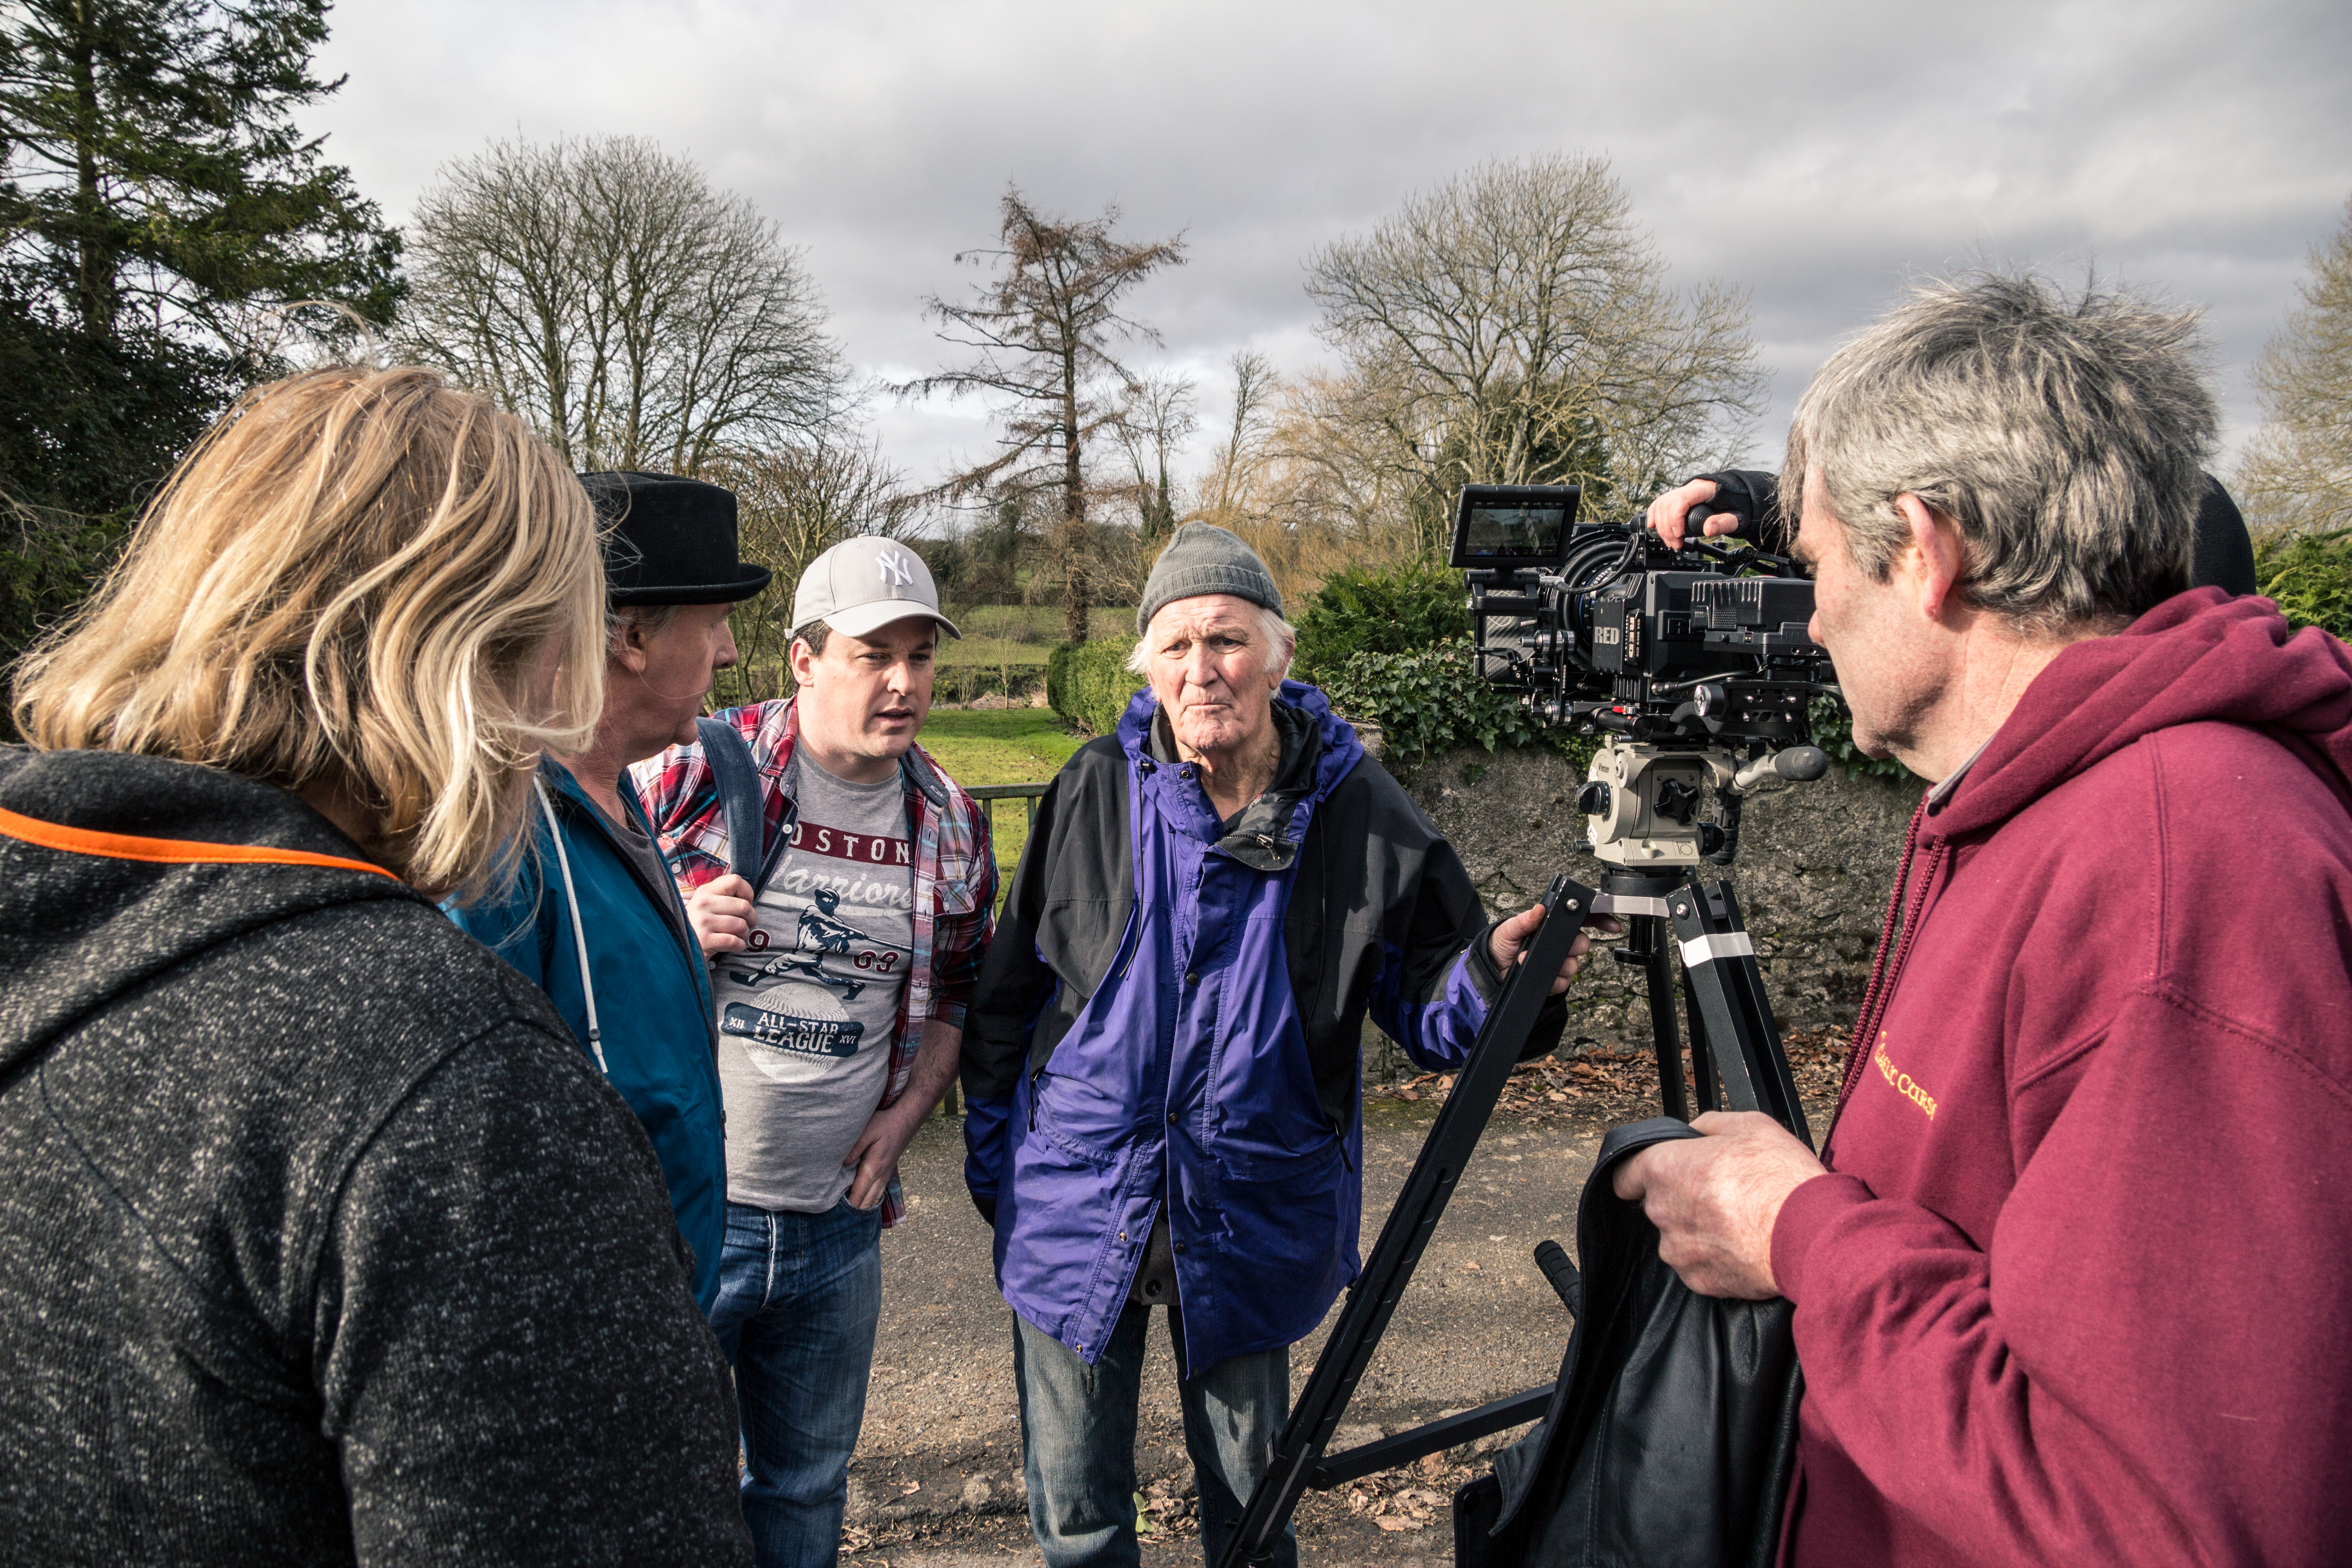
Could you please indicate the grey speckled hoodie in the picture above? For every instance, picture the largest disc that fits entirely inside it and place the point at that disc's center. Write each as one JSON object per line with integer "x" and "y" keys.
{"x": 319, "y": 1238}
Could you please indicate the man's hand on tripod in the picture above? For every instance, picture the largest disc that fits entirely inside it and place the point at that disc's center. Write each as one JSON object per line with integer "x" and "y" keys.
{"x": 1511, "y": 938}
{"x": 1716, "y": 1199}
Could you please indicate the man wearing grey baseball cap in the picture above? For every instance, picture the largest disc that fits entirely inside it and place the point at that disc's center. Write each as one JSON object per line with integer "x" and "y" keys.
{"x": 846, "y": 942}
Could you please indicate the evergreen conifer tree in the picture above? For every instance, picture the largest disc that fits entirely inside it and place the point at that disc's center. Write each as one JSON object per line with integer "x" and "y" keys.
{"x": 156, "y": 200}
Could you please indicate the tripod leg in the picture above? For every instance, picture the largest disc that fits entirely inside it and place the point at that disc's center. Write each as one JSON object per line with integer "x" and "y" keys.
{"x": 1453, "y": 1138}
{"x": 1659, "y": 969}
{"x": 1703, "y": 1078}
{"x": 1719, "y": 962}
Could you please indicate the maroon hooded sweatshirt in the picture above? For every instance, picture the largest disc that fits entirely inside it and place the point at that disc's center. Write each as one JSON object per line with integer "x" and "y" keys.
{"x": 2079, "y": 1286}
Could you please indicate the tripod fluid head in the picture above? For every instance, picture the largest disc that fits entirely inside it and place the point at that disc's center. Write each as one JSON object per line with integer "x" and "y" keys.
{"x": 1645, "y": 804}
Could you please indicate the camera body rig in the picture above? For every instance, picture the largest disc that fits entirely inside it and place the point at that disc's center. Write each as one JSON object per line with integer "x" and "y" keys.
{"x": 1694, "y": 666}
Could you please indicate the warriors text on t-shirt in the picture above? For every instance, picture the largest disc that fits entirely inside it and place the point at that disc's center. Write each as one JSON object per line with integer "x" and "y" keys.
{"x": 805, "y": 1012}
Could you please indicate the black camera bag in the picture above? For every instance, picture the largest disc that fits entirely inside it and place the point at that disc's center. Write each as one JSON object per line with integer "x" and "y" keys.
{"x": 1671, "y": 1434}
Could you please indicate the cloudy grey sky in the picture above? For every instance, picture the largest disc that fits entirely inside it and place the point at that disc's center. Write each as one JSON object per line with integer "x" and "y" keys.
{"x": 1815, "y": 153}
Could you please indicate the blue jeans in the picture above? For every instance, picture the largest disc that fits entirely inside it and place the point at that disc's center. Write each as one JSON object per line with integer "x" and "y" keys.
{"x": 799, "y": 1295}
{"x": 1078, "y": 1440}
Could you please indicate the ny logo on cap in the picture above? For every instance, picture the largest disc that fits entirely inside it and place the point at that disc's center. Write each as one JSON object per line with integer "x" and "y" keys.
{"x": 896, "y": 570}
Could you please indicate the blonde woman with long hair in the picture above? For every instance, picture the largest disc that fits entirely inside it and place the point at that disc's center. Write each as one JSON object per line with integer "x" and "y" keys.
{"x": 322, "y": 1238}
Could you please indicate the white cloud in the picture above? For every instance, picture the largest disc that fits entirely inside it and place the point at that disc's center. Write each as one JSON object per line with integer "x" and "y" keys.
{"x": 1815, "y": 154}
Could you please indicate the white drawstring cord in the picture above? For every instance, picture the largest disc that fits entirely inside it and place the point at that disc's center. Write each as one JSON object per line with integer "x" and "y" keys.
{"x": 579, "y": 935}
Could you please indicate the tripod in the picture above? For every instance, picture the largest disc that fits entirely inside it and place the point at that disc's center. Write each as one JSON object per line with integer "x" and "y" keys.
{"x": 1736, "y": 1057}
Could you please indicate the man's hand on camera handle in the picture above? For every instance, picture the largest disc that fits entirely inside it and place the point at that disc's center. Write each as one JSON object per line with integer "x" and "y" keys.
{"x": 1669, "y": 515}
{"x": 1511, "y": 937}
{"x": 1716, "y": 1199}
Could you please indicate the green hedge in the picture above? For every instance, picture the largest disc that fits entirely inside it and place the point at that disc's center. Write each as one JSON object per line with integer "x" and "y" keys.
{"x": 1090, "y": 685}
{"x": 2310, "y": 576}
{"x": 1434, "y": 700}
{"x": 1383, "y": 610}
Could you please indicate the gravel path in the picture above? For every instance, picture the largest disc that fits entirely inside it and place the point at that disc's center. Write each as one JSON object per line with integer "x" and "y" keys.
{"x": 937, "y": 1480}
{"x": 937, "y": 1477}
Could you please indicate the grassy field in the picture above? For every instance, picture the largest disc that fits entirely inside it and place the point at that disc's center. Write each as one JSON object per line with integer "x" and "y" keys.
{"x": 1010, "y": 745}
{"x": 1003, "y": 649}
{"x": 1020, "y": 634}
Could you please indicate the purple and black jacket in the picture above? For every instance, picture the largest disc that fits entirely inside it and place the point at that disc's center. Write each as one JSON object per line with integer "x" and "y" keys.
{"x": 1171, "y": 1014}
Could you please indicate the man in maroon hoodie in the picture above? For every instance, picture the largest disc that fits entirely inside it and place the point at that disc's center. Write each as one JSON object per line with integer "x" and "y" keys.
{"x": 2074, "y": 1274}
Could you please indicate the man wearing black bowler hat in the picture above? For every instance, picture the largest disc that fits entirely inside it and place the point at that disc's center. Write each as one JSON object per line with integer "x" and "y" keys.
{"x": 592, "y": 917}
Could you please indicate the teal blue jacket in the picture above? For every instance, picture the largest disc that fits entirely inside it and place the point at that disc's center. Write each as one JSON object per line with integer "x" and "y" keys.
{"x": 653, "y": 996}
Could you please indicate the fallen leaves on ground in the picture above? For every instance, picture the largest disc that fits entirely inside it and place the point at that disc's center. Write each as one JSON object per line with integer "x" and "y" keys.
{"x": 1817, "y": 1060}
{"x": 1409, "y": 1498}
{"x": 1166, "y": 1508}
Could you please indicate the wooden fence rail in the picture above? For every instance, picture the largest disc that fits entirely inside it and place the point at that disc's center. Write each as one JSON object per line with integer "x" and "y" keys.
{"x": 988, "y": 795}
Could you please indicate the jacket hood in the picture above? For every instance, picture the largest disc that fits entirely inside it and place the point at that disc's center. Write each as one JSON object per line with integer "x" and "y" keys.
{"x": 107, "y": 879}
{"x": 2199, "y": 656}
{"x": 1319, "y": 748}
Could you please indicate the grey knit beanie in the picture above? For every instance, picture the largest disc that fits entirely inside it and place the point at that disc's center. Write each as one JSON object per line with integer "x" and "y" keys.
{"x": 1205, "y": 558}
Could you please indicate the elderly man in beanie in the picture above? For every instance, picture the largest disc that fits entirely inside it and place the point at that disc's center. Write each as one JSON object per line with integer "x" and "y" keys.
{"x": 842, "y": 964}
{"x": 1162, "y": 1063}
{"x": 591, "y": 918}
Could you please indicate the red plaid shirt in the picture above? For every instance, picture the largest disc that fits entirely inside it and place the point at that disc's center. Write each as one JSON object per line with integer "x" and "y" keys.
{"x": 955, "y": 866}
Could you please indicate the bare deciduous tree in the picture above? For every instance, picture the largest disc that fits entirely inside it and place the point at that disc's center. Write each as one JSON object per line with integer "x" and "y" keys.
{"x": 604, "y": 291}
{"x": 1158, "y": 420}
{"x": 1045, "y": 327}
{"x": 793, "y": 504}
{"x": 1513, "y": 326}
{"x": 2296, "y": 475}
{"x": 1236, "y": 460}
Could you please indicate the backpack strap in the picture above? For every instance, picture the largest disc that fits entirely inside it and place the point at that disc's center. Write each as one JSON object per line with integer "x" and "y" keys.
{"x": 737, "y": 779}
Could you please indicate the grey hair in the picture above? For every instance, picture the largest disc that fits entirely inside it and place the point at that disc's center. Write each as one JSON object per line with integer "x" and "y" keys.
{"x": 813, "y": 633}
{"x": 1270, "y": 626}
{"x": 2066, "y": 434}
{"x": 654, "y": 618}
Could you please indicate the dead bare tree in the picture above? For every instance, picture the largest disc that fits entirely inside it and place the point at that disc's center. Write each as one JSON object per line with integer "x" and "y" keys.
{"x": 603, "y": 291}
{"x": 1513, "y": 326}
{"x": 1044, "y": 326}
{"x": 1229, "y": 472}
{"x": 1158, "y": 420}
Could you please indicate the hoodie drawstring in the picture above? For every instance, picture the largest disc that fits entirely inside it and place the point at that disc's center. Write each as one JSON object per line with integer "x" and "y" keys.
{"x": 1906, "y": 901}
{"x": 579, "y": 936}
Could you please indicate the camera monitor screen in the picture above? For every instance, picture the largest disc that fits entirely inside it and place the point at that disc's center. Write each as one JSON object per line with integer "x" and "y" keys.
{"x": 1502, "y": 528}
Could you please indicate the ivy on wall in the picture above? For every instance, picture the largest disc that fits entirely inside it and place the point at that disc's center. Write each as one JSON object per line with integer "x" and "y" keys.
{"x": 1434, "y": 701}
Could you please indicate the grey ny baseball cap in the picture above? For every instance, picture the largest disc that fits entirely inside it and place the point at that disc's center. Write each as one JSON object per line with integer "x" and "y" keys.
{"x": 864, "y": 583}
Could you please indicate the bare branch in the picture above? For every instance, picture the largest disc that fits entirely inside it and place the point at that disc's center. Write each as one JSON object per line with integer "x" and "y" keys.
{"x": 2297, "y": 474}
{"x": 1044, "y": 325}
{"x": 1513, "y": 326}
{"x": 793, "y": 504}
{"x": 636, "y": 317}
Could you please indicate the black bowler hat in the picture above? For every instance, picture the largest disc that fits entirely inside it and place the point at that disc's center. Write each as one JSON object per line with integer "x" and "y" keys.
{"x": 672, "y": 541}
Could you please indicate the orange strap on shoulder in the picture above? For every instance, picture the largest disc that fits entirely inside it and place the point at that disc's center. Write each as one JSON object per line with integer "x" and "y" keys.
{"x": 168, "y": 851}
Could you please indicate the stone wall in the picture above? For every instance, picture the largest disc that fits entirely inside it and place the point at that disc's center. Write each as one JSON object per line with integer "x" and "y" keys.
{"x": 1816, "y": 862}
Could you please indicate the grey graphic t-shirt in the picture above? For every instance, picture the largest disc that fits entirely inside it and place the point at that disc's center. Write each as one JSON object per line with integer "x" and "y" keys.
{"x": 805, "y": 1012}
